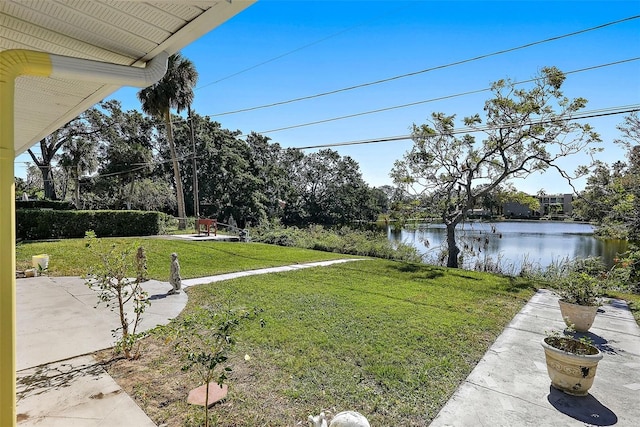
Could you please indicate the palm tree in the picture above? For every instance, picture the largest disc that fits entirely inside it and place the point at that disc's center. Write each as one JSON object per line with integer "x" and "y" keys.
{"x": 174, "y": 90}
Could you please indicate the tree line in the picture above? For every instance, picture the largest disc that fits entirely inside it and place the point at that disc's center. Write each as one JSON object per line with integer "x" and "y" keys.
{"x": 112, "y": 159}
{"x": 108, "y": 158}
{"x": 611, "y": 197}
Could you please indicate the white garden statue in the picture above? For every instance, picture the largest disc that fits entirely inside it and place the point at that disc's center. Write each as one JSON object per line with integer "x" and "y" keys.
{"x": 342, "y": 419}
{"x": 174, "y": 278}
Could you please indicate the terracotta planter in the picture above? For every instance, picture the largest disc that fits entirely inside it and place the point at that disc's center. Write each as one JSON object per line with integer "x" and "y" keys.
{"x": 580, "y": 316}
{"x": 571, "y": 372}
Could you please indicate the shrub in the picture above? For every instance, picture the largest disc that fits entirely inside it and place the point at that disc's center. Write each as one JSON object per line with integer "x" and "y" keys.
{"x": 581, "y": 280}
{"x": 343, "y": 240}
{"x": 625, "y": 276}
{"x": 593, "y": 266}
{"x": 580, "y": 288}
{"x": 37, "y": 224}
{"x": 44, "y": 204}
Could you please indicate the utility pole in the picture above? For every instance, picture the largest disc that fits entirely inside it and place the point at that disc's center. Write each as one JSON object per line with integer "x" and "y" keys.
{"x": 196, "y": 201}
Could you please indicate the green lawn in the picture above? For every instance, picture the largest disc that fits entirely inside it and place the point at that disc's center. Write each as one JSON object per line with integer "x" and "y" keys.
{"x": 388, "y": 339}
{"x": 392, "y": 340}
{"x": 197, "y": 259}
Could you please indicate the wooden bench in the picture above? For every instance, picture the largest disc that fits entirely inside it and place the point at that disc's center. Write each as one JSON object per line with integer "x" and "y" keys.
{"x": 208, "y": 224}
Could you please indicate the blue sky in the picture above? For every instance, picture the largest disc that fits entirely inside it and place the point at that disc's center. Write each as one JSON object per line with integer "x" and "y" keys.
{"x": 280, "y": 50}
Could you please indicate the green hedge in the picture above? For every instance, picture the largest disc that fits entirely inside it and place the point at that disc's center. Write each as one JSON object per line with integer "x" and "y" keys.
{"x": 45, "y": 204}
{"x": 36, "y": 224}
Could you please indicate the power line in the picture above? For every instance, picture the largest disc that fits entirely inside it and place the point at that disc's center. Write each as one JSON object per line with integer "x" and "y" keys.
{"x": 140, "y": 166}
{"x": 592, "y": 113}
{"x": 438, "y": 67}
{"x": 380, "y": 110}
{"x": 585, "y": 115}
{"x": 275, "y": 58}
{"x": 103, "y": 175}
{"x": 441, "y": 98}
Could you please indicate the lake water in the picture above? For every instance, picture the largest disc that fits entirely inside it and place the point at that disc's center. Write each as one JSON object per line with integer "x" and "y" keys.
{"x": 512, "y": 243}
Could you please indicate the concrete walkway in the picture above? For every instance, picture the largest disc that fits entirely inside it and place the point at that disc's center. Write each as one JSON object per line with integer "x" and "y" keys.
{"x": 59, "y": 326}
{"x": 510, "y": 385}
{"x": 203, "y": 280}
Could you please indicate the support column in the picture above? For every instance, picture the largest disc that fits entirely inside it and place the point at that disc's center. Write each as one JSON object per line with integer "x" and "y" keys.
{"x": 12, "y": 65}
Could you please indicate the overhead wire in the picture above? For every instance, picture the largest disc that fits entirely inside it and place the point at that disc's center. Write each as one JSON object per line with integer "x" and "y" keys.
{"x": 415, "y": 73}
{"x": 441, "y": 98}
{"x": 438, "y": 67}
{"x": 585, "y": 115}
{"x": 142, "y": 165}
{"x": 405, "y": 137}
{"x": 188, "y": 156}
{"x": 298, "y": 49}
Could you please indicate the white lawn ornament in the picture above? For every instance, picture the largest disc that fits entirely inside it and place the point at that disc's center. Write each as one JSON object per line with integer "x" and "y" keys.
{"x": 342, "y": 419}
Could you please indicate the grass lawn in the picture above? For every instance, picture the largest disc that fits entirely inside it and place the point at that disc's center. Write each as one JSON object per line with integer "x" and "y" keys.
{"x": 70, "y": 257}
{"x": 391, "y": 340}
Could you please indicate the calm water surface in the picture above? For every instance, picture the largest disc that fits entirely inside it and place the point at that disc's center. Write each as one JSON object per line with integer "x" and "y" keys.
{"x": 512, "y": 243}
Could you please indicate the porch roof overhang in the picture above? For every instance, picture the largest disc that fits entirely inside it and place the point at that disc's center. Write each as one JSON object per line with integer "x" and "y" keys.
{"x": 127, "y": 33}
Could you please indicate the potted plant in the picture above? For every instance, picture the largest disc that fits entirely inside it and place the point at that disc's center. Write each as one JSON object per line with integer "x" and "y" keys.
{"x": 571, "y": 363}
{"x": 580, "y": 295}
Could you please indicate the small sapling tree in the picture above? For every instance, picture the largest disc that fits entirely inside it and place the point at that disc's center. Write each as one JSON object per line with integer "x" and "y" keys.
{"x": 203, "y": 340}
{"x": 110, "y": 277}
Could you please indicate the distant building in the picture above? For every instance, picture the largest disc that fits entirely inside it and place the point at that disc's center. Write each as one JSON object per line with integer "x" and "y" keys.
{"x": 518, "y": 210}
{"x": 556, "y": 204}
{"x": 552, "y": 205}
